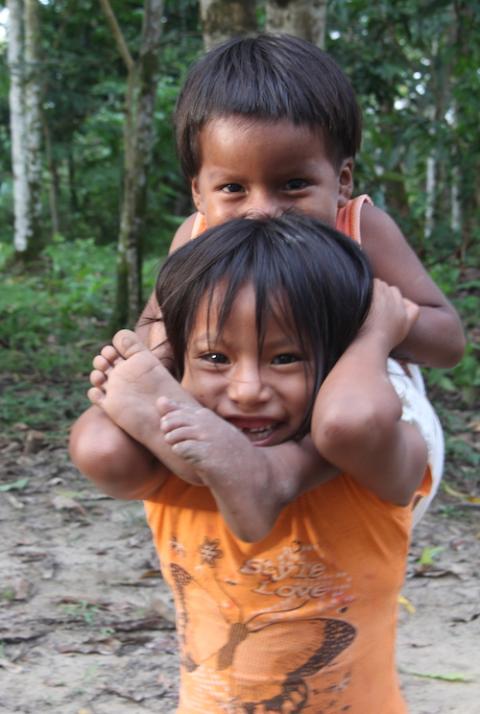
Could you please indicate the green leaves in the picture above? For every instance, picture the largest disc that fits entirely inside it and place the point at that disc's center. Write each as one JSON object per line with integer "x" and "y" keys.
{"x": 17, "y": 485}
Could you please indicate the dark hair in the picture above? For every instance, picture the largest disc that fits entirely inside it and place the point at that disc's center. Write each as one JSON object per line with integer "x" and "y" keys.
{"x": 268, "y": 77}
{"x": 316, "y": 279}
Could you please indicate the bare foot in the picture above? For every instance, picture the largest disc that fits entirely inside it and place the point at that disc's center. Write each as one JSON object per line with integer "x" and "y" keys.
{"x": 200, "y": 436}
{"x": 127, "y": 381}
{"x": 237, "y": 472}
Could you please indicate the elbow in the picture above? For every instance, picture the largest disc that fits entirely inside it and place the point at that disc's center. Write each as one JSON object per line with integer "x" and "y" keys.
{"x": 92, "y": 458}
{"x": 453, "y": 346}
{"x": 94, "y": 450}
{"x": 340, "y": 433}
{"x": 457, "y": 350}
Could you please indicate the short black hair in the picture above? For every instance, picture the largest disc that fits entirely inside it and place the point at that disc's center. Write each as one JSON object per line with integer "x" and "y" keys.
{"x": 316, "y": 279}
{"x": 269, "y": 77}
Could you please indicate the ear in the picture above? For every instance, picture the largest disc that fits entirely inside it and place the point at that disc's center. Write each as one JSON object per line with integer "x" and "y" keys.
{"x": 196, "y": 195}
{"x": 345, "y": 182}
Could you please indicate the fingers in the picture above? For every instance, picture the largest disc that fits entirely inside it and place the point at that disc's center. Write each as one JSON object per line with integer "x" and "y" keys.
{"x": 391, "y": 313}
{"x": 412, "y": 310}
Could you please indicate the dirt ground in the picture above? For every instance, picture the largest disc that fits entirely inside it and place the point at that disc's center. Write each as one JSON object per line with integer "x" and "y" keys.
{"x": 86, "y": 624}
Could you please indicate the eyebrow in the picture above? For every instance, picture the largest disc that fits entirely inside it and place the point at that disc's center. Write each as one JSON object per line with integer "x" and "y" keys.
{"x": 281, "y": 343}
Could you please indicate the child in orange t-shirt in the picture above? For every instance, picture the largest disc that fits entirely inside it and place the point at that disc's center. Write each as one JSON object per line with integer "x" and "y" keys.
{"x": 285, "y": 579}
{"x": 265, "y": 125}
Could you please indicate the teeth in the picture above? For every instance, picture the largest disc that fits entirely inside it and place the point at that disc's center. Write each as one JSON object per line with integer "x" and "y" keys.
{"x": 258, "y": 433}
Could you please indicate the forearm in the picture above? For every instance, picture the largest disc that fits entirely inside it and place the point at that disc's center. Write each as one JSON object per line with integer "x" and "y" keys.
{"x": 356, "y": 426}
{"x": 356, "y": 402}
{"x": 117, "y": 465}
{"x": 436, "y": 339}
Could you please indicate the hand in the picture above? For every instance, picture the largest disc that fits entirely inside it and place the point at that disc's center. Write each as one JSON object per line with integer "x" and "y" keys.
{"x": 391, "y": 315}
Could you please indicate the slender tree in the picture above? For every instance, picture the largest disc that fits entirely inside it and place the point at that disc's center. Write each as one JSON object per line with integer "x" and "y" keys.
{"x": 222, "y": 19}
{"x": 138, "y": 141}
{"x": 302, "y": 18}
{"x": 25, "y": 123}
{"x": 17, "y": 127}
{"x": 33, "y": 116}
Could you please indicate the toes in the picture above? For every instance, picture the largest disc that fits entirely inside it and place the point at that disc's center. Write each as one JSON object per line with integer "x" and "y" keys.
{"x": 109, "y": 354}
{"x": 127, "y": 343}
{"x": 96, "y": 396}
{"x": 101, "y": 363}
{"x": 165, "y": 405}
{"x": 97, "y": 378}
{"x": 190, "y": 450}
{"x": 181, "y": 432}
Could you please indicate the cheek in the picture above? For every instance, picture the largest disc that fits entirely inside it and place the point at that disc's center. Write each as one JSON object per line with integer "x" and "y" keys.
{"x": 300, "y": 394}
{"x": 204, "y": 386}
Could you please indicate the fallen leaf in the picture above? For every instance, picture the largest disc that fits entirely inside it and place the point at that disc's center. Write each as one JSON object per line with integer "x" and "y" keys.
{"x": 151, "y": 574}
{"x": 453, "y": 492}
{"x": 17, "y": 485}
{"x": 407, "y": 604}
{"x": 448, "y": 677}
{"x": 429, "y": 553}
{"x": 429, "y": 571}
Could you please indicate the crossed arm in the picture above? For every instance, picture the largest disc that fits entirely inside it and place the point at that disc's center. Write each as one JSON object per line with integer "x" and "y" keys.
{"x": 356, "y": 428}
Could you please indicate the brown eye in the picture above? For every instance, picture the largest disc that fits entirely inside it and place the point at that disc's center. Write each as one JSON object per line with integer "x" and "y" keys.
{"x": 296, "y": 184}
{"x": 286, "y": 358}
{"x": 232, "y": 188}
{"x": 215, "y": 358}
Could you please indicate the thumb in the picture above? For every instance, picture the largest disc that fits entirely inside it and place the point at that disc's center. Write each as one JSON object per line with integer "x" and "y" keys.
{"x": 412, "y": 310}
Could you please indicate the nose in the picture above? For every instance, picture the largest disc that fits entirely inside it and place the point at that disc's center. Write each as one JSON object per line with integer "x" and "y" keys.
{"x": 264, "y": 204}
{"x": 247, "y": 387}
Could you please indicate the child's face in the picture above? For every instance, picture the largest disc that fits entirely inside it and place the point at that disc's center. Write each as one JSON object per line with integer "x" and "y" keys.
{"x": 257, "y": 167}
{"x": 264, "y": 394}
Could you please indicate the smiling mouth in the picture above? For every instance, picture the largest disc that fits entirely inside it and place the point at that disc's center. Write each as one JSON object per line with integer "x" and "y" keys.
{"x": 255, "y": 431}
{"x": 259, "y": 434}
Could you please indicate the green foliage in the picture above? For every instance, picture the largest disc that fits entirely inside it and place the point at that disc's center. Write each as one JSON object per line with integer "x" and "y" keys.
{"x": 412, "y": 64}
{"x": 53, "y": 317}
{"x": 464, "y": 379}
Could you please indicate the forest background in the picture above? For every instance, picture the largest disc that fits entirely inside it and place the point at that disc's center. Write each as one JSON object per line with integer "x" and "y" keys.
{"x": 104, "y": 199}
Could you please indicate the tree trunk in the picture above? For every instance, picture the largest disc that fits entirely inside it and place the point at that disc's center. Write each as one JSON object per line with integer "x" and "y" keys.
{"x": 33, "y": 119}
{"x": 54, "y": 183}
{"x": 302, "y": 18}
{"x": 138, "y": 141}
{"x": 25, "y": 123}
{"x": 430, "y": 191}
{"x": 222, "y": 19}
{"x": 72, "y": 181}
{"x": 22, "y": 228}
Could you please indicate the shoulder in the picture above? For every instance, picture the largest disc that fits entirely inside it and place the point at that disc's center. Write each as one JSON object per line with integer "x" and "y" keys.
{"x": 388, "y": 249}
{"x": 376, "y": 223}
{"x": 183, "y": 234}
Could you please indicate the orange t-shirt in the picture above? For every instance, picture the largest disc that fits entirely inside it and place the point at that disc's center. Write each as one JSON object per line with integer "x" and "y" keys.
{"x": 304, "y": 620}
